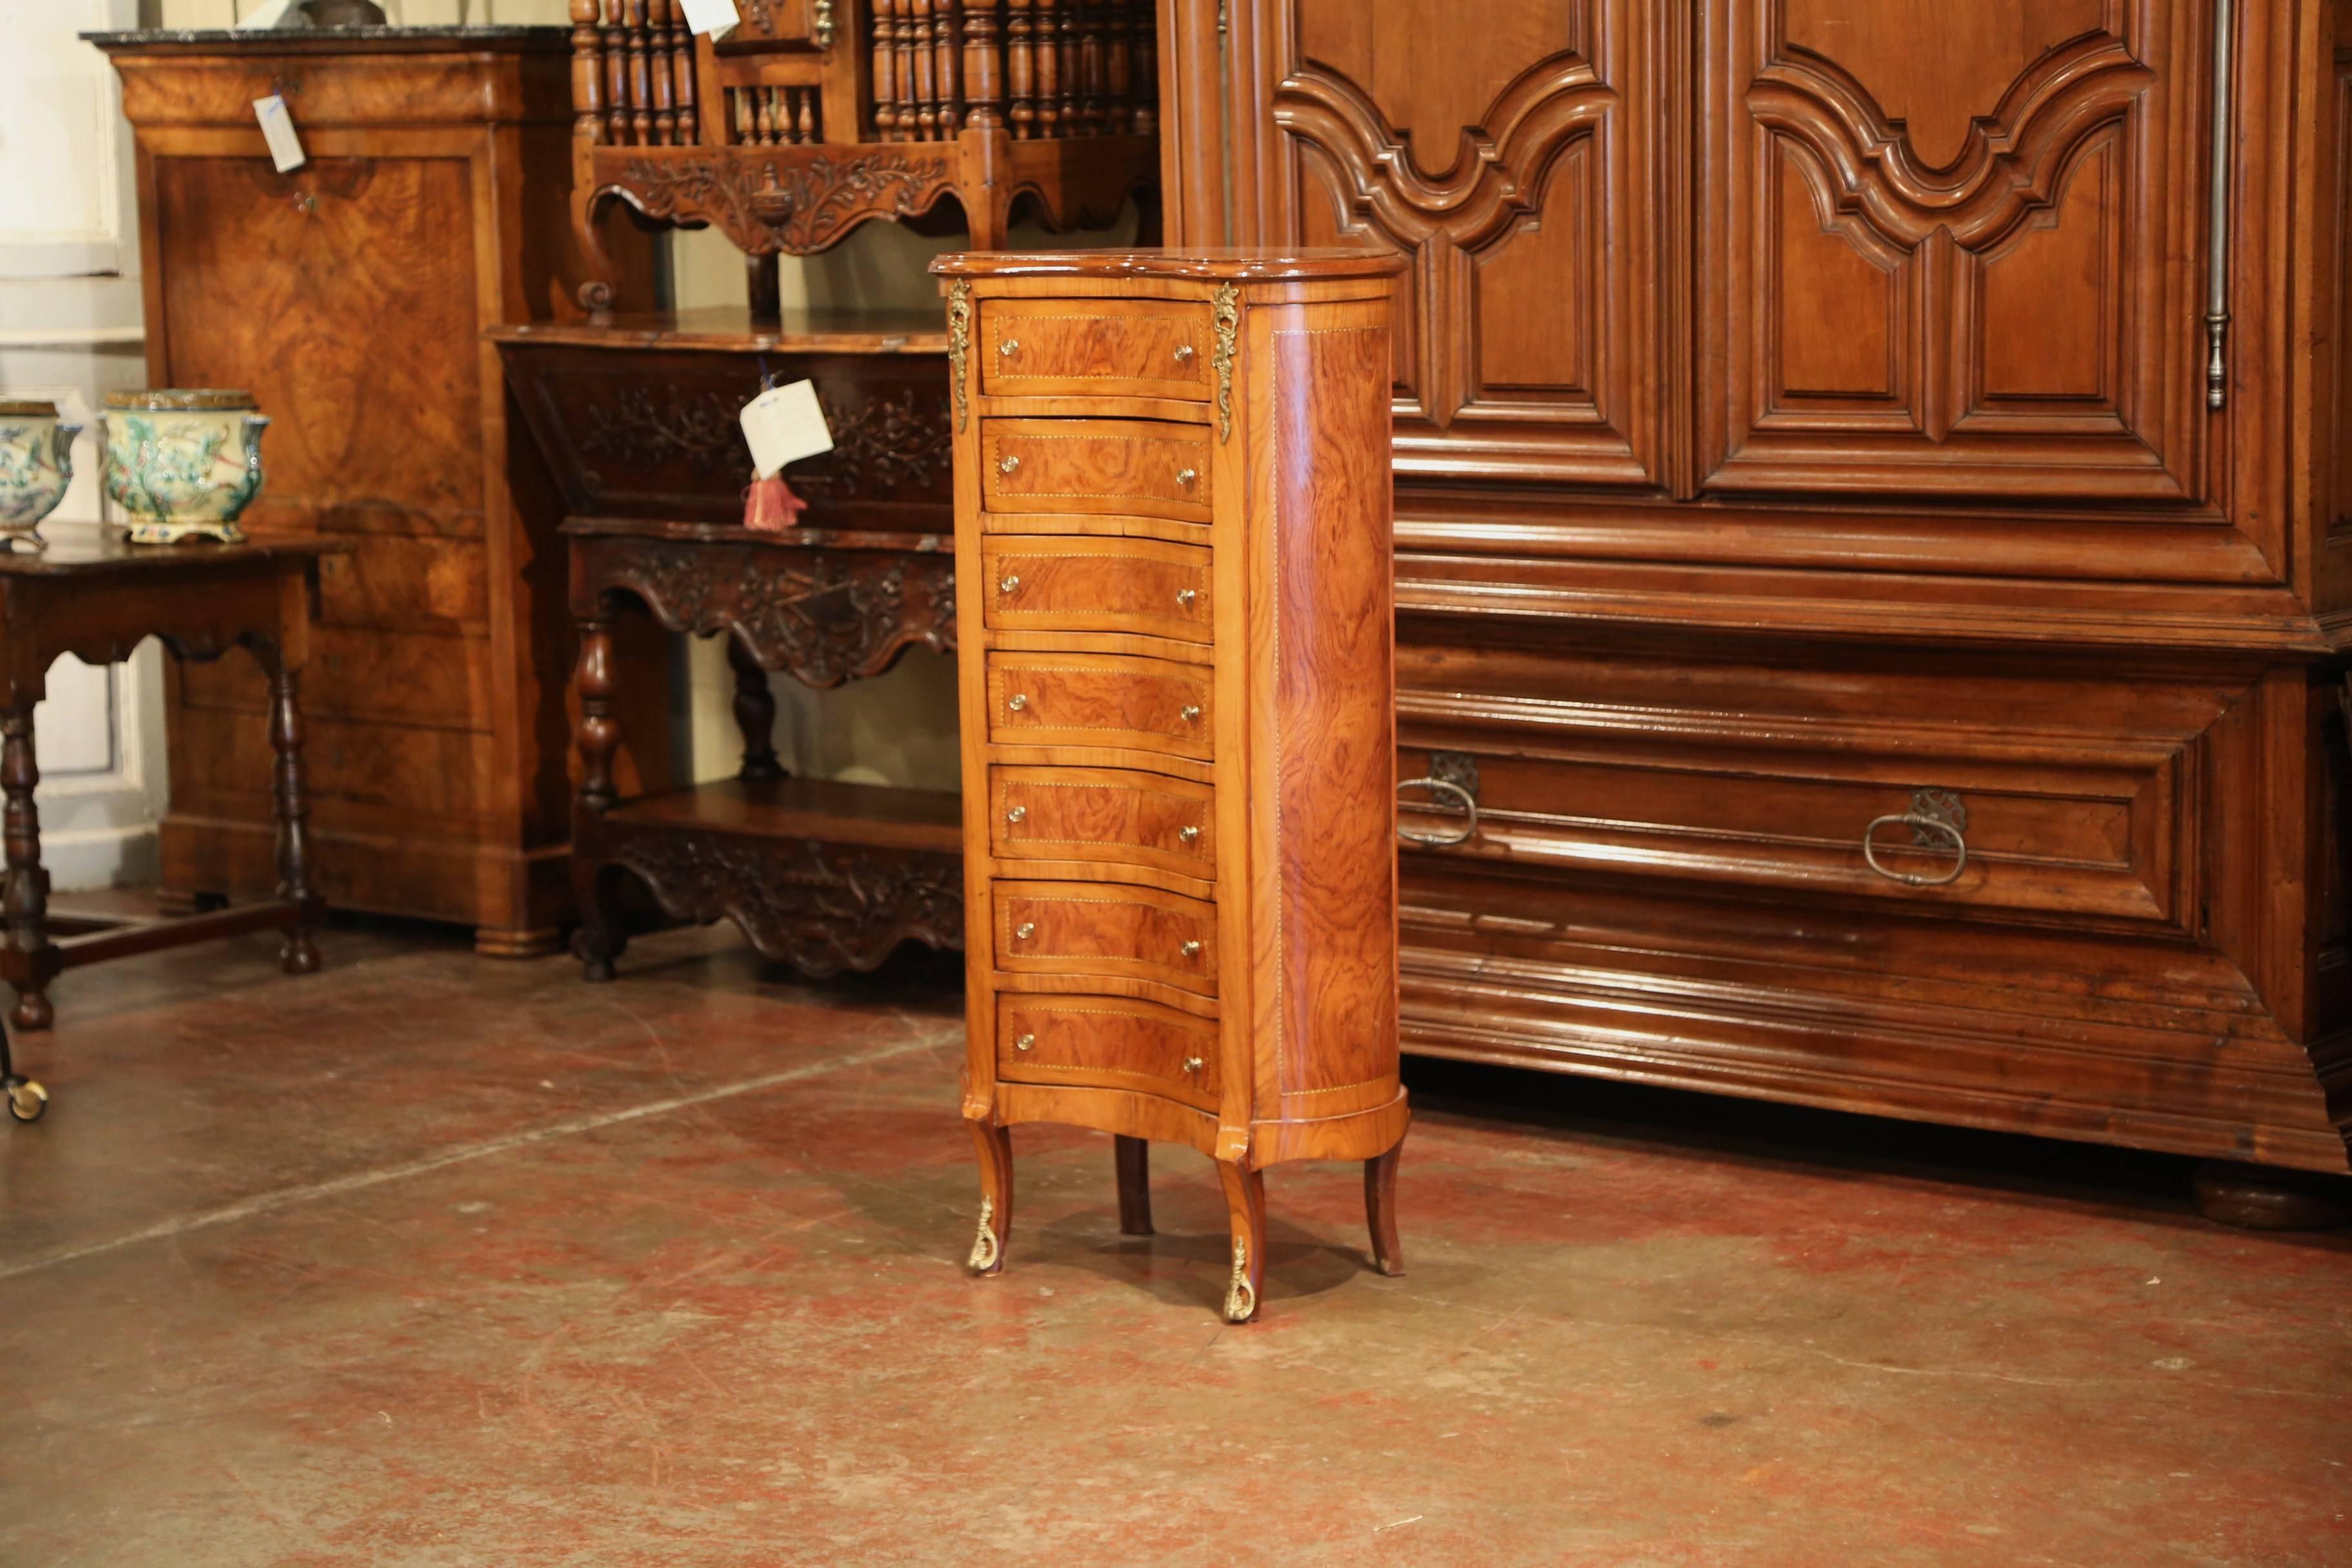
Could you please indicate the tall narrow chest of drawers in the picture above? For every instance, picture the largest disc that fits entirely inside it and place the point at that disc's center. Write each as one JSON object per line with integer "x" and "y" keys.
{"x": 1172, "y": 530}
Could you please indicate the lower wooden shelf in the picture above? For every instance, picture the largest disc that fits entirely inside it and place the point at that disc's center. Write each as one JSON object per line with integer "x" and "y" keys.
{"x": 820, "y": 875}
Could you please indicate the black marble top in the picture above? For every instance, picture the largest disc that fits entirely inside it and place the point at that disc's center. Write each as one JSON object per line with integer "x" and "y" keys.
{"x": 358, "y": 40}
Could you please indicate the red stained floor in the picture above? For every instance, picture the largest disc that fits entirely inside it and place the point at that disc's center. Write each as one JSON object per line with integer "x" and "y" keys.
{"x": 438, "y": 1260}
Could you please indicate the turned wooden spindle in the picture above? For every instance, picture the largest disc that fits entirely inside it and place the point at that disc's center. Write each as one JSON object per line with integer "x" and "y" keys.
{"x": 922, "y": 71}
{"x": 983, "y": 63}
{"x": 755, "y": 714}
{"x": 885, "y": 70}
{"x": 1065, "y": 32}
{"x": 25, "y": 900}
{"x": 299, "y": 953}
{"x": 617, "y": 73}
{"x": 598, "y": 733}
{"x": 810, "y": 131}
{"x": 1118, "y": 69}
{"x": 1144, "y": 119}
{"x": 641, "y": 85}
{"x": 661, "y": 47}
{"x": 1045, "y": 48}
{"x": 948, "y": 62}
{"x": 587, "y": 71}
{"x": 1021, "y": 66}
{"x": 681, "y": 72}
{"x": 1092, "y": 71}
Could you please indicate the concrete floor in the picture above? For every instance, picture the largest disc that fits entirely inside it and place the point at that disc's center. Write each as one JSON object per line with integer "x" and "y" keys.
{"x": 438, "y": 1260}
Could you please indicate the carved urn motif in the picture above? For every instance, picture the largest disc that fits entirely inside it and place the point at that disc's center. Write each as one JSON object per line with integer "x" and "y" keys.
{"x": 183, "y": 464}
{"x": 36, "y": 470}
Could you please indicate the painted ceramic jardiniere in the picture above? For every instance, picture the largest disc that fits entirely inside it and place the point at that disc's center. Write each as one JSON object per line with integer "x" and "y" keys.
{"x": 36, "y": 470}
{"x": 183, "y": 464}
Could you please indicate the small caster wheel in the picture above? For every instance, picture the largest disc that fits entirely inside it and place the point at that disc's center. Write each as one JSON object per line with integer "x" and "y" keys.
{"x": 27, "y": 1100}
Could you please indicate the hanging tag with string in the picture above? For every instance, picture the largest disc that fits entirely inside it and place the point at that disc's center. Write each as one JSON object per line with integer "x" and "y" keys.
{"x": 782, "y": 424}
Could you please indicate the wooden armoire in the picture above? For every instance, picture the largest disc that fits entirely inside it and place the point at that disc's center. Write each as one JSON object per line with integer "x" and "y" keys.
{"x": 1871, "y": 536}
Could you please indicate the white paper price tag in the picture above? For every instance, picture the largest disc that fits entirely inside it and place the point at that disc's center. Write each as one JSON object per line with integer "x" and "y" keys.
{"x": 711, "y": 15}
{"x": 277, "y": 130}
{"x": 785, "y": 424}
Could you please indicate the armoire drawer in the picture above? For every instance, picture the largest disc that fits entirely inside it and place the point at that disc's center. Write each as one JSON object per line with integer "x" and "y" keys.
{"x": 1094, "y": 348}
{"x": 2026, "y": 797}
{"x": 1107, "y": 1042}
{"x": 1091, "y": 583}
{"x": 1111, "y": 815}
{"x": 1100, "y": 699}
{"x": 1148, "y": 467}
{"x": 1105, "y": 929}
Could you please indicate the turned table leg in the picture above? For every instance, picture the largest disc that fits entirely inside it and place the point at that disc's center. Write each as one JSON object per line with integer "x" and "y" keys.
{"x": 1133, "y": 1158}
{"x": 300, "y": 952}
{"x": 26, "y": 900}
{"x": 755, "y": 714}
{"x": 599, "y": 939}
{"x": 995, "y": 1233}
{"x": 1380, "y": 1210}
{"x": 1245, "y": 1210}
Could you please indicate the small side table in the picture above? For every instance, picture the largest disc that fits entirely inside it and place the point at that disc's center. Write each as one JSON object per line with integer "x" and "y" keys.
{"x": 94, "y": 595}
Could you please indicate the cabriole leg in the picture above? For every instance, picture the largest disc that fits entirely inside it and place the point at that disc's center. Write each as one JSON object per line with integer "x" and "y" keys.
{"x": 995, "y": 1233}
{"x": 1380, "y": 1210}
{"x": 1245, "y": 1212}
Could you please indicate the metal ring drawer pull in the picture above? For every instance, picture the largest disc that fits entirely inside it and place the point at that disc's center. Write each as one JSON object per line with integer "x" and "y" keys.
{"x": 1934, "y": 817}
{"x": 1009, "y": 585}
{"x": 1189, "y": 835}
{"x": 1008, "y": 348}
{"x": 1017, "y": 813}
{"x": 1191, "y": 950}
{"x": 1186, "y": 597}
{"x": 1442, "y": 840}
{"x": 1026, "y": 1042}
{"x": 1009, "y": 463}
{"x": 1183, "y": 354}
{"x": 1016, "y": 702}
{"x": 1194, "y": 1064}
{"x": 1025, "y": 931}
{"x": 1191, "y": 711}
{"x": 1188, "y": 477}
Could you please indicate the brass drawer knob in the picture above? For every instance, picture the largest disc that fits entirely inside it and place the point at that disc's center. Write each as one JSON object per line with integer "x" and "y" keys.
{"x": 1185, "y": 596}
{"x": 1009, "y": 585}
{"x": 1189, "y": 835}
{"x": 1187, "y": 477}
{"x": 1194, "y": 1064}
{"x": 1191, "y": 711}
{"x": 1017, "y": 813}
{"x": 1026, "y": 1042}
{"x": 1191, "y": 950}
{"x": 1008, "y": 348}
{"x": 1025, "y": 931}
{"x": 1008, "y": 463}
{"x": 1183, "y": 354}
{"x": 1016, "y": 702}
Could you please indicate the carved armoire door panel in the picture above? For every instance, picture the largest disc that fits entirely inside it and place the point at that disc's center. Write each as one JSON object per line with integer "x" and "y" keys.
{"x": 1956, "y": 246}
{"x": 1511, "y": 155}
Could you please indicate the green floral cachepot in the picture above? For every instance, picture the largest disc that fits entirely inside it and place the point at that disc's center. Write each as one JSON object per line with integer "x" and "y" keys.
{"x": 183, "y": 464}
{"x": 36, "y": 470}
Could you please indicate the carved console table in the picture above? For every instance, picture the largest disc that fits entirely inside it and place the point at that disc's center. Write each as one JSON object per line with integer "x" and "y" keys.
{"x": 637, "y": 419}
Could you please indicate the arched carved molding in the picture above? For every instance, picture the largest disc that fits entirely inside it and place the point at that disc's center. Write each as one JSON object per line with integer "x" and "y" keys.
{"x": 1497, "y": 173}
{"x": 2014, "y": 162}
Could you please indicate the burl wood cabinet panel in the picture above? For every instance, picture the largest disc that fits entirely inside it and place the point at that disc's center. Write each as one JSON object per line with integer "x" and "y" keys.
{"x": 351, "y": 295}
{"x": 1870, "y": 532}
{"x": 1179, "y": 745}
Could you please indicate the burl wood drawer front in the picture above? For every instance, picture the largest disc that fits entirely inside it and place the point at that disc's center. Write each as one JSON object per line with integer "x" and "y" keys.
{"x": 1103, "y": 814}
{"x": 1107, "y": 1042}
{"x": 1094, "y": 348}
{"x": 1148, "y": 467}
{"x": 1103, "y": 927}
{"x": 1098, "y": 585}
{"x": 1100, "y": 699}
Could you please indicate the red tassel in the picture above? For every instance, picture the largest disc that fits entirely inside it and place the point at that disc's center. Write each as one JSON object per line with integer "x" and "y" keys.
{"x": 770, "y": 506}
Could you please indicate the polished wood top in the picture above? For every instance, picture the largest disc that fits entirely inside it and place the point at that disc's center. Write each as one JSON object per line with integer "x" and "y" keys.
{"x": 1208, "y": 263}
{"x": 515, "y": 40}
{"x": 102, "y": 549}
{"x": 730, "y": 329}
